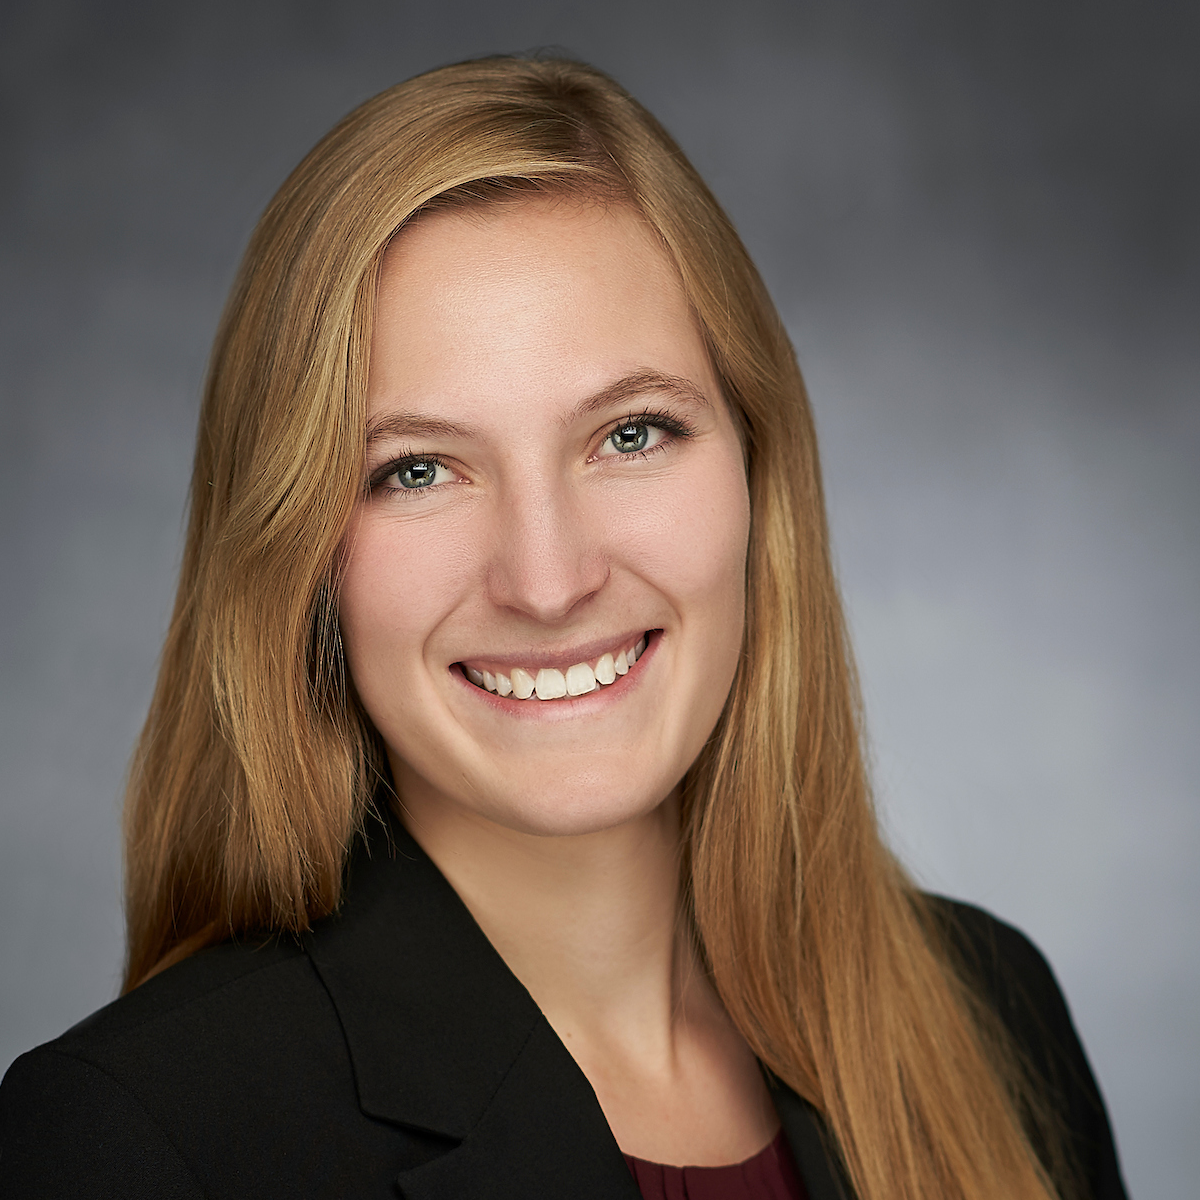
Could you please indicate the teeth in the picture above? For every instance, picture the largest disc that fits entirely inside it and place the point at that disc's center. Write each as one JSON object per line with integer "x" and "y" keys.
{"x": 552, "y": 684}
{"x": 581, "y": 679}
{"x": 522, "y": 683}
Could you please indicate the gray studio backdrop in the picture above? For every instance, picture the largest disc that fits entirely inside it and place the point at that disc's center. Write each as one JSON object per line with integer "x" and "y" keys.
{"x": 979, "y": 222}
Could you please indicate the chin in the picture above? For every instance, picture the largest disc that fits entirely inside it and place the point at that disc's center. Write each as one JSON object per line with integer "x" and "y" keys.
{"x": 542, "y": 795}
{"x": 568, "y": 812}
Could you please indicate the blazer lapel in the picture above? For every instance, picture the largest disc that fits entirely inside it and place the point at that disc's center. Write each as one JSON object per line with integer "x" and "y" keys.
{"x": 543, "y": 1135}
{"x": 443, "y": 1037}
{"x": 810, "y": 1144}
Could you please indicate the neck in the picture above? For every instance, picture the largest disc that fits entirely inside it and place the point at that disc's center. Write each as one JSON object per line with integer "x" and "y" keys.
{"x": 590, "y": 923}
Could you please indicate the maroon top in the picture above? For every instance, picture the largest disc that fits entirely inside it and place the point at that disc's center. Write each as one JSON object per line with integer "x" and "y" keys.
{"x": 769, "y": 1175}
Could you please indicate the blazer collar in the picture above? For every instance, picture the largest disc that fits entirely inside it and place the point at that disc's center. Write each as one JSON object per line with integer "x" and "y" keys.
{"x": 443, "y": 1037}
{"x": 812, "y": 1147}
{"x": 433, "y": 1018}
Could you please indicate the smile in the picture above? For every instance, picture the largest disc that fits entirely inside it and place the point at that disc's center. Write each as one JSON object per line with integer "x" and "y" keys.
{"x": 549, "y": 683}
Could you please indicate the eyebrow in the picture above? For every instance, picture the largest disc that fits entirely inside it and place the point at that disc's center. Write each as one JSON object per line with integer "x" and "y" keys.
{"x": 627, "y": 388}
{"x": 638, "y": 383}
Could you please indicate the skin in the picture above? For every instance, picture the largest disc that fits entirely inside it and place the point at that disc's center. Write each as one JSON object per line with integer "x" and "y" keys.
{"x": 509, "y": 344}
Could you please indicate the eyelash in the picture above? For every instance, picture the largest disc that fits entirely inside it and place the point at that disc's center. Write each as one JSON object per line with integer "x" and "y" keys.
{"x": 664, "y": 420}
{"x": 655, "y": 419}
{"x": 375, "y": 483}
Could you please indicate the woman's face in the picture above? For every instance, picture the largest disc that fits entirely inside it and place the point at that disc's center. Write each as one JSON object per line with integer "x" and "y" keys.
{"x": 557, "y": 486}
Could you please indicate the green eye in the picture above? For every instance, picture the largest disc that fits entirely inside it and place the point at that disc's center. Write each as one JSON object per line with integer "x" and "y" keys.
{"x": 417, "y": 474}
{"x": 630, "y": 438}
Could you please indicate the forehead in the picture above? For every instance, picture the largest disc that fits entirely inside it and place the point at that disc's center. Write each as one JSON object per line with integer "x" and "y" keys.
{"x": 542, "y": 299}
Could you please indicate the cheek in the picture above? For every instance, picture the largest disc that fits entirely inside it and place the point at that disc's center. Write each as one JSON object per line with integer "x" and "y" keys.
{"x": 400, "y": 578}
{"x": 689, "y": 539}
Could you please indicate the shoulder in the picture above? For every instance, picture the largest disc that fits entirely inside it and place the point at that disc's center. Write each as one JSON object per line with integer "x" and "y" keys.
{"x": 230, "y": 973}
{"x": 64, "y": 1121}
{"x": 1008, "y": 968}
{"x": 217, "y": 1002}
{"x": 1011, "y": 975}
{"x": 125, "y": 1095}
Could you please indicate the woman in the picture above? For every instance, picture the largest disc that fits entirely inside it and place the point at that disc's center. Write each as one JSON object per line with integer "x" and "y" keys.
{"x": 500, "y": 826}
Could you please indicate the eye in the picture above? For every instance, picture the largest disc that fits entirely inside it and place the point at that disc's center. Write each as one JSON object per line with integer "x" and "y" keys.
{"x": 418, "y": 474}
{"x": 414, "y": 474}
{"x": 643, "y": 433}
{"x": 630, "y": 437}
{"x": 633, "y": 436}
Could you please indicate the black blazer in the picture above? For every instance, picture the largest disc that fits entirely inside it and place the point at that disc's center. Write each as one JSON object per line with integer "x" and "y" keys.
{"x": 392, "y": 1052}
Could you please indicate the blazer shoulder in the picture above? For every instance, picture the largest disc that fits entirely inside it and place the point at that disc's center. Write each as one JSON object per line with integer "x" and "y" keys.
{"x": 1013, "y": 972}
{"x": 230, "y": 1068}
{"x": 193, "y": 982}
{"x": 177, "y": 1029}
{"x": 69, "y": 1130}
{"x": 1011, "y": 975}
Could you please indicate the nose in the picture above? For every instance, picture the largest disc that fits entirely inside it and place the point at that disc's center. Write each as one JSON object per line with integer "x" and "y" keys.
{"x": 548, "y": 557}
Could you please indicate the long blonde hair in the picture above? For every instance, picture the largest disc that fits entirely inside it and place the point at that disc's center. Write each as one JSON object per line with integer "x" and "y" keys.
{"x": 255, "y": 765}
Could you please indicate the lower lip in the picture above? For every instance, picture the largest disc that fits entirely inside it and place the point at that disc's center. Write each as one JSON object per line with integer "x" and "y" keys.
{"x": 567, "y": 707}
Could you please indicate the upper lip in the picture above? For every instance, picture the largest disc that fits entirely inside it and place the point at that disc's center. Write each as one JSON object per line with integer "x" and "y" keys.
{"x": 534, "y": 659}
